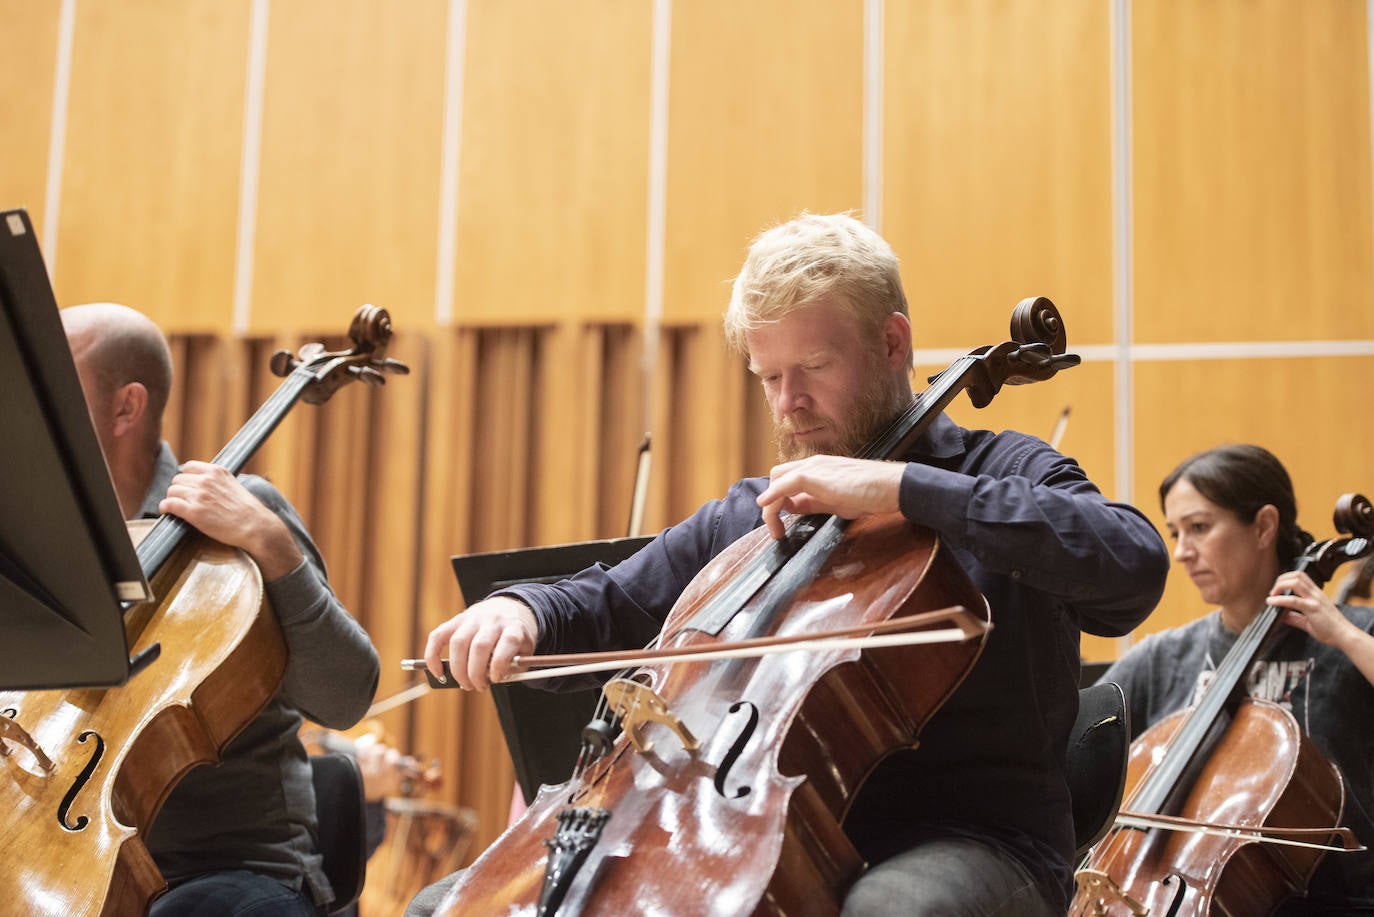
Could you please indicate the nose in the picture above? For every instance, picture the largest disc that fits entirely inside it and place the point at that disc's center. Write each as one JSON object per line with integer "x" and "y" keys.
{"x": 792, "y": 393}
{"x": 1183, "y": 548}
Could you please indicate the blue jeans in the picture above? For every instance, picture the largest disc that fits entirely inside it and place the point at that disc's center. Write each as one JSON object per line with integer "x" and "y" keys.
{"x": 239, "y": 893}
{"x": 948, "y": 876}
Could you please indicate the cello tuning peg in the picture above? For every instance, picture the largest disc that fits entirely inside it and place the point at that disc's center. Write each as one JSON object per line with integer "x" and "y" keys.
{"x": 282, "y": 363}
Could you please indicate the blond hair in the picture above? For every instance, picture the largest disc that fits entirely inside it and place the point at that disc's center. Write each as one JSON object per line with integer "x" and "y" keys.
{"x": 814, "y": 257}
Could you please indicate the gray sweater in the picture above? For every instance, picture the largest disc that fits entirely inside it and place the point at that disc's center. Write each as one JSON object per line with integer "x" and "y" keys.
{"x": 256, "y": 810}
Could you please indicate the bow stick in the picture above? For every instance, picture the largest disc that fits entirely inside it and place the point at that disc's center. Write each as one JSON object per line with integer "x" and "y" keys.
{"x": 960, "y": 626}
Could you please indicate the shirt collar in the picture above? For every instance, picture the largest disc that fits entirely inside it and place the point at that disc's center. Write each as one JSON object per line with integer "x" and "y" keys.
{"x": 944, "y": 439}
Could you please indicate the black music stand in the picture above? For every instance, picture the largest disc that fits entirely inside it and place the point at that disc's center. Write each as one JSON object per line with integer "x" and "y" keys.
{"x": 66, "y": 560}
{"x": 543, "y": 729}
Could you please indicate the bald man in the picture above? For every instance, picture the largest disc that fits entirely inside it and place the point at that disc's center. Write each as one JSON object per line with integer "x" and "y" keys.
{"x": 237, "y": 838}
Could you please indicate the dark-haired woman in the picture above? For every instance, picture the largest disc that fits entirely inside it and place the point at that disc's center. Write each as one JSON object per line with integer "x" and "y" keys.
{"x": 1233, "y": 518}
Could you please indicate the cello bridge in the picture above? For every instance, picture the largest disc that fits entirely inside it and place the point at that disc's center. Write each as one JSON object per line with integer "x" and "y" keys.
{"x": 1103, "y": 892}
{"x": 11, "y": 731}
{"x": 637, "y": 705}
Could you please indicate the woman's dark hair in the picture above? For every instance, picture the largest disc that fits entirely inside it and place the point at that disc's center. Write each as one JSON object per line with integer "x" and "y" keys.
{"x": 1243, "y": 478}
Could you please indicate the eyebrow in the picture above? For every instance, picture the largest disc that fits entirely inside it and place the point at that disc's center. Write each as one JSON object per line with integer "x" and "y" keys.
{"x": 811, "y": 357}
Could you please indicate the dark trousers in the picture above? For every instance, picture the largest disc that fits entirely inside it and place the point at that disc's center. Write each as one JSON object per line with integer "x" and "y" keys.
{"x": 239, "y": 893}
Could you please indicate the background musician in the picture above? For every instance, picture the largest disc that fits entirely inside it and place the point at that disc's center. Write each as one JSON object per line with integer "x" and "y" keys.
{"x": 1233, "y": 518}
{"x": 239, "y": 837}
{"x": 977, "y": 820}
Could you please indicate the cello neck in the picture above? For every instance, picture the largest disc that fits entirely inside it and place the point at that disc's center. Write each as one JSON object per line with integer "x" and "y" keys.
{"x": 315, "y": 376}
{"x": 170, "y": 531}
{"x": 1357, "y": 584}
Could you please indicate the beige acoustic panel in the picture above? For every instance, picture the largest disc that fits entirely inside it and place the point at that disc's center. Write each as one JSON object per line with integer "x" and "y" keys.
{"x": 1252, "y": 171}
{"x": 27, "y": 69}
{"x": 1311, "y": 413}
{"x": 553, "y": 186}
{"x": 348, "y": 204}
{"x": 765, "y": 120}
{"x": 150, "y": 182}
{"x": 997, "y": 162}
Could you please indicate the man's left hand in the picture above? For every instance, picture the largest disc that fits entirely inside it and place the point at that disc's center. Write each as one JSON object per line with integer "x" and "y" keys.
{"x": 217, "y": 504}
{"x": 846, "y": 487}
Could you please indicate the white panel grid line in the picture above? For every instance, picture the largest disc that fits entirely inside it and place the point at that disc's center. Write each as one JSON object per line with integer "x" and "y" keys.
{"x": 874, "y": 15}
{"x": 249, "y": 169}
{"x": 1123, "y": 285}
{"x": 1221, "y": 350}
{"x": 656, "y": 232}
{"x": 446, "y": 258}
{"x": 57, "y": 134}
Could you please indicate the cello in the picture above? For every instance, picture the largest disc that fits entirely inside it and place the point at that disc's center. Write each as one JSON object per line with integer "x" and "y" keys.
{"x": 86, "y": 770}
{"x": 717, "y": 785}
{"x": 1356, "y": 585}
{"x": 1228, "y": 804}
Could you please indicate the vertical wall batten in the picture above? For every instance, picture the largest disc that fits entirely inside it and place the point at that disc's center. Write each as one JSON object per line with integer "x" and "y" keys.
{"x": 57, "y": 134}
{"x": 1122, "y": 287}
{"x": 450, "y": 156}
{"x": 250, "y": 168}
{"x": 873, "y": 114}
{"x": 657, "y": 216}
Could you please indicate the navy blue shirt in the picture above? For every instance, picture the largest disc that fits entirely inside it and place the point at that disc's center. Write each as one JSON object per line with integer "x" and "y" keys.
{"x": 1052, "y": 556}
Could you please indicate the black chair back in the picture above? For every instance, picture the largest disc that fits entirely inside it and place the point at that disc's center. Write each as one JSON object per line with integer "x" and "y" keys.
{"x": 342, "y": 814}
{"x": 1098, "y": 748}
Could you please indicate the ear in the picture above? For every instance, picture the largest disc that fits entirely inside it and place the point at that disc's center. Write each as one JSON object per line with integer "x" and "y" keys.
{"x": 897, "y": 340}
{"x": 1266, "y": 525}
{"x": 130, "y": 406}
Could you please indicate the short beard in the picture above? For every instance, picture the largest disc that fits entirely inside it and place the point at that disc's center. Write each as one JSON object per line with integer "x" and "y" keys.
{"x": 874, "y": 410}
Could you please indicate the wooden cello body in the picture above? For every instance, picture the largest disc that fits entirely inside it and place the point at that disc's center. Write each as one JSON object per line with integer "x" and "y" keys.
{"x": 1262, "y": 772}
{"x": 725, "y": 790}
{"x": 117, "y": 752}
{"x": 749, "y": 820}
{"x": 86, "y": 770}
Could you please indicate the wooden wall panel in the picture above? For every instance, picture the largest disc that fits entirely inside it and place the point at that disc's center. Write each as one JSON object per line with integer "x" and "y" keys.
{"x": 622, "y": 427}
{"x": 567, "y": 436}
{"x": 1183, "y": 407}
{"x": 393, "y": 552}
{"x": 348, "y": 200}
{"x": 552, "y": 200}
{"x": 1252, "y": 168}
{"x": 150, "y": 182}
{"x": 997, "y": 163}
{"x": 26, "y": 98}
{"x": 765, "y": 121}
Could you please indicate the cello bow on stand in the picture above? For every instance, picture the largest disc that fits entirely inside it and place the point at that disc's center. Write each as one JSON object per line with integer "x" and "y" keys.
{"x": 735, "y": 807}
{"x": 1204, "y": 785}
{"x": 86, "y": 770}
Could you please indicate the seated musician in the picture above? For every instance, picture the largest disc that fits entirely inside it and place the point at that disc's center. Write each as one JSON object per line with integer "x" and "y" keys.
{"x": 236, "y": 838}
{"x": 1233, "y": 517}
{"x": 977, "y": 819}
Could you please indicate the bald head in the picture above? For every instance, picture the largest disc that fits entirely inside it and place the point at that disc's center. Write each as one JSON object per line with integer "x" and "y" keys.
{"x": 126, "y": 374}
{"x": 116, "y": 345}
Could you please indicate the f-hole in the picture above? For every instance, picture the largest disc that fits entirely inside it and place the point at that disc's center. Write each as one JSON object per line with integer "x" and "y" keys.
{"x": 64, "y": 810}
{"x": 737, "y": 749}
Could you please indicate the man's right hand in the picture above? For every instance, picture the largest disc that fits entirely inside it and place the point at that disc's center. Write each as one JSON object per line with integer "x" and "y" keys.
{"x": 481, "y": 642}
